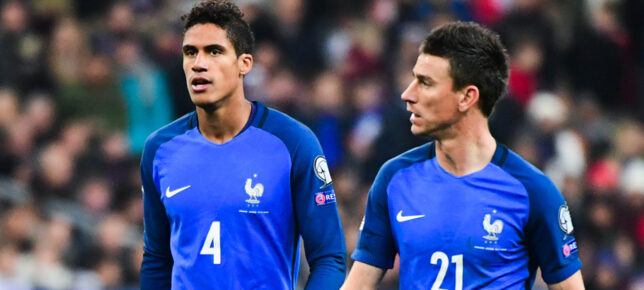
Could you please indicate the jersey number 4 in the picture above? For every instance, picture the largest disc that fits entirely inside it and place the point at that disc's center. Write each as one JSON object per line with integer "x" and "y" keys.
{"x": 456, "y": 259}
{"x": 212, "y": 244}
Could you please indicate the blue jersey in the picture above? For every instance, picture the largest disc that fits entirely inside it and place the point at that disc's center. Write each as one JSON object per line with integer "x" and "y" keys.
{"x": 230, "y": 216}
{"x": 489, "y": 229}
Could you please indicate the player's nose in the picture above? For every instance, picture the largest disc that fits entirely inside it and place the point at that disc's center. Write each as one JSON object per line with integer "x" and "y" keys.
{"x": 409, "y": 95}
{"x": 199, "y": 64}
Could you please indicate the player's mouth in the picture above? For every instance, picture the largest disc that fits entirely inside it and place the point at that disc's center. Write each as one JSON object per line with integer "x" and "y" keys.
{"x": 199, "y": 84}
{"x": 414, "y": 117}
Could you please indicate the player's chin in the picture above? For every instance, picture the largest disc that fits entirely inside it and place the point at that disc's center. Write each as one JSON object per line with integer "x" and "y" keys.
{"x": 417, "y": 130}
{"x": 208, "y": 102}
{"x": 204, "y": 102}
{"x": 425, "y": 132}
{"x": 202, "y": 97}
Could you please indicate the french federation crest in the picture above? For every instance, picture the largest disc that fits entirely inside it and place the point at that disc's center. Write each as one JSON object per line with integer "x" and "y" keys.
{"x": 254, "y": 192}
{"x": 492, "y": 229}
{"x": 321, "y": 170}
{"x": 565, "y": 221}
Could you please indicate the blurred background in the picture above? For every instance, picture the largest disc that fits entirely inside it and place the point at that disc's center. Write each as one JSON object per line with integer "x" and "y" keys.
{"x": 83, "y": 83}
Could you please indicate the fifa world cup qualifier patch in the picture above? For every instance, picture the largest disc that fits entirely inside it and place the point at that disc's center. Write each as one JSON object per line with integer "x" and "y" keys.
{"x": 565, "y": 222}
{"x": 327, "y": 197}
{"x": 321, "y": 170}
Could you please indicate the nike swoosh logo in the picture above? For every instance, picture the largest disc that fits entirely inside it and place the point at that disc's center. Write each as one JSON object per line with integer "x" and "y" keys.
{"x": 170, "y": 193}
{"x": 401, "y": 218}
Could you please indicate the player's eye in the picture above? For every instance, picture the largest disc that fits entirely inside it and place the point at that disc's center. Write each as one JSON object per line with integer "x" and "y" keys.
{"x": 189, "y": 52}
{"x": 215, "y": 51}
{"x": 424, "y": 82}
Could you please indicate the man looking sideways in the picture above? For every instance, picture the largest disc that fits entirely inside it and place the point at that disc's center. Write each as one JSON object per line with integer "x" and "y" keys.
{"x": 463, "y": 212}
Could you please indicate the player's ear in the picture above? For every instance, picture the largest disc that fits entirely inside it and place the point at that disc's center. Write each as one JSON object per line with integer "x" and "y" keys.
{"x": 468, "y": 98}
{"x": 245, "y": 63}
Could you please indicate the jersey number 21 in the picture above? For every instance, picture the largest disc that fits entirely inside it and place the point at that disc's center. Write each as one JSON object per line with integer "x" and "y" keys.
{"x": 456, "y": 259}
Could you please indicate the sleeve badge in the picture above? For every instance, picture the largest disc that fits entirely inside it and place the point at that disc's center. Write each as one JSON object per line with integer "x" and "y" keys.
{"x": 565, "y": 222}
{"x": 321, "y": 170}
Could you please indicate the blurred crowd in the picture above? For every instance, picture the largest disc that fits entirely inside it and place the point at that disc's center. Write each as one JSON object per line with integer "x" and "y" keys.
{"x": 83, "y": 83}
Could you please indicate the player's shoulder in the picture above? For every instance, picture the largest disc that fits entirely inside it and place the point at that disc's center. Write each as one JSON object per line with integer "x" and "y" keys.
{"x": 533, "y": 179}
{"x": 406, "y": 159}
{"x": 288, "y": 129}
{"x": 169, "y": 131}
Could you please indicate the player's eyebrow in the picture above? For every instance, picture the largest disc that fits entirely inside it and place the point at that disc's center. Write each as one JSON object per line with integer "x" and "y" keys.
{"x": 187, "y": 47}
{"x": 209, "y": 47}
{"x": 215, "y": 47}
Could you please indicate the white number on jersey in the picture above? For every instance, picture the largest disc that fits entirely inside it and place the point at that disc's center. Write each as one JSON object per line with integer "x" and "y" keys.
{"x": 212, "y": 244}
{"x": 456, "y": 259}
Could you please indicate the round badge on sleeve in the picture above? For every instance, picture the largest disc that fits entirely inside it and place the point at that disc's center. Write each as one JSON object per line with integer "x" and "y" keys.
{"x": 320, "y": 199}
{"x": 566, "y": 251}
{"x": 321, "y": 170}
{"x": 565, "y": 221}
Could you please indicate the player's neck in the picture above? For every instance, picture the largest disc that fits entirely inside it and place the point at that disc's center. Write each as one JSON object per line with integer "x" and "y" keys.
{"x": 224, "y": 122}
{"x": 468, "y": 151}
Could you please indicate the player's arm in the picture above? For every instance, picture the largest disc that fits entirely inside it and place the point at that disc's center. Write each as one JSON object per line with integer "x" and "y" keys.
{"x": 376, "y": 250}
{"x": 317, "y": 215}
{"x": 363, "y": 277}
{"x": 574, "y": 282}
{"x": 549, "y": 233}
{"x": 156, "y": 268}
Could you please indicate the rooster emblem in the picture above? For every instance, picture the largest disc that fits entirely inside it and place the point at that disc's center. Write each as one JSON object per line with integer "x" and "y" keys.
{"x": 492, "y": 229}
{"x": 254, "y": 192}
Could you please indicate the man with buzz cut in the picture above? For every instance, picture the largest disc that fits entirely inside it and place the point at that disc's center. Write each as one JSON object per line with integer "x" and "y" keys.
{"x": 229, "y": 189}
{"x": 462, "y": 211}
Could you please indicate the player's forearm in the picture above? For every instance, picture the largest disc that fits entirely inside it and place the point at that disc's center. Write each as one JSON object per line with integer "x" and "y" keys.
{"x": 574, "y": 282}
{"x": 327, "y": 272}
{"x": 156, "y": 267}
{"x": 363, "y": 277}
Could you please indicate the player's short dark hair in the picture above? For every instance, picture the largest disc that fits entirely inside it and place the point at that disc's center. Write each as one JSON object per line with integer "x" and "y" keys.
{"x": 476, "y": 57}
{"x": 227, "y": 16}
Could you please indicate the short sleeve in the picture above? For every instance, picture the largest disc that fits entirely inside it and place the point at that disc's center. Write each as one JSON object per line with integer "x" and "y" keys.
{"x": 376, "y": 245}
{"x": 549, "y": 232}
